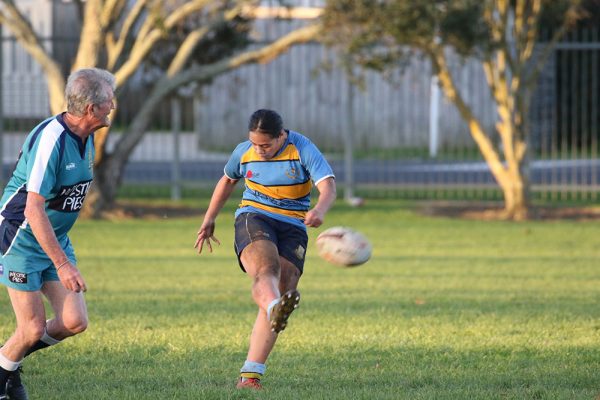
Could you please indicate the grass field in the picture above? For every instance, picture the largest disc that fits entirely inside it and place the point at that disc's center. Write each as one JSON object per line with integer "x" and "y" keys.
{"x": 446, "y": 309}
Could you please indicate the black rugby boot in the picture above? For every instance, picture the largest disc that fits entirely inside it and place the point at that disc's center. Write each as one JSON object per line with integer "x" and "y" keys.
{"x": 14, "y": 387}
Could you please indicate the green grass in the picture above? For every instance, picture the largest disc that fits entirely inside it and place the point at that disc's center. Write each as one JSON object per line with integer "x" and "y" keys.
{"x": 446, "y": 309}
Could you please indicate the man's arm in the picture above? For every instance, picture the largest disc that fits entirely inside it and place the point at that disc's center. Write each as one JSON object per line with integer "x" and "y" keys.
{"x": 220, "y": 195}
{"x": 327, "y": 195}
{"x": 37, "y": 218}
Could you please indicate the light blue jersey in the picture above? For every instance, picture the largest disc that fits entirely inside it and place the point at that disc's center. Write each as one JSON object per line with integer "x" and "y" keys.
{"x": 55, "y": 163}
{"x": 279, "y": 187}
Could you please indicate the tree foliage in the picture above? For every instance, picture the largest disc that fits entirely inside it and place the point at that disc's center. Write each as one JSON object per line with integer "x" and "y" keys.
{"x": 501, "y": 34}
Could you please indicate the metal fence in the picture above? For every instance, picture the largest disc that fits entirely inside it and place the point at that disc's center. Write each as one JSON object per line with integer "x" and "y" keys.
{"x": 401, "y": 149}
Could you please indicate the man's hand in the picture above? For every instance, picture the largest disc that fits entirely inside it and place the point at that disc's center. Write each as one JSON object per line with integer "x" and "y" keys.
{"x": 206, "y": 234}
{"x": 71, "y": 278}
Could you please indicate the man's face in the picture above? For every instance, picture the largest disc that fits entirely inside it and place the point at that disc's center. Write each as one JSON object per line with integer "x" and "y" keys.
{"x": 101, "y": 111}
{"x": 265, "y": 145}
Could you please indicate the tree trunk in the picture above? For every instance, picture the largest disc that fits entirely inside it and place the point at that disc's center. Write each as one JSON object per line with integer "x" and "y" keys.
{"x": 109, "y": 171}
{"x": 516, "y": 198}
{"x": 107, "y": 180}
{"x": 511, "y": 128}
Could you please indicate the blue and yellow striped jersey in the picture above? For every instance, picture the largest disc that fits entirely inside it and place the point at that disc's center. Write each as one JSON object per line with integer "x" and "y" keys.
{"x": 279, "y": 187}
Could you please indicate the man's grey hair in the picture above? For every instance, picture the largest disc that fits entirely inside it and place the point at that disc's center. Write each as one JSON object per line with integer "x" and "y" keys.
{"x": 87, "y": 86}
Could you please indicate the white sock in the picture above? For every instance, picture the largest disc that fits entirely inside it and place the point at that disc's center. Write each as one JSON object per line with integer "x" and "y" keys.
{"x": 270, "y": 308}
{"x": 49, "y": 340}
{"x": 7, "y": 364}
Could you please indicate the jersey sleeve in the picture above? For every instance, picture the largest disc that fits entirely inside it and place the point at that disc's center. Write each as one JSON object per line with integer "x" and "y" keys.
{"x": 314, "y": 161}
{"x": 232, "y": 169}
{"x": 43, "y": 165}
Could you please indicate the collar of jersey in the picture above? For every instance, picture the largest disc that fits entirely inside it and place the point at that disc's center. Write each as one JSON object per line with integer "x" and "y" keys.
{"x": 75, "y": 137}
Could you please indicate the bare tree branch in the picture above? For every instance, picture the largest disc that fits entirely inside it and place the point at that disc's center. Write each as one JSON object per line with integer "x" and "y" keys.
{"x": 91, "y": 36}
{"x": 111, "y": 11}
{"x": 144, "y": 43}
{"x": 153, "y": 15}
{"x": 531, "y": 22}
{"x": 186, "y": 49}
{"x": 23, "y": 32}
{"x": 114, "y": 49}
{"x": 572, "y": 15}
{"x": 200, "y": 73}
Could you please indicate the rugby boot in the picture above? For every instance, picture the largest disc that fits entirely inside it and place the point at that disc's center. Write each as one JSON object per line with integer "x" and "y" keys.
{"x": 282, "y": 310}
{"x": 14, "y": 387}
{"x": 249, "y": 383}
{"x": 3, "y": 395}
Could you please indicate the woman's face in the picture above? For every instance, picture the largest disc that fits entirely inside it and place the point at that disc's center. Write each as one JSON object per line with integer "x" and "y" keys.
{"x": 265, "y": 145}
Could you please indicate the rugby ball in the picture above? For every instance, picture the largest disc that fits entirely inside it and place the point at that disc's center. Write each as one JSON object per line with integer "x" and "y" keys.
{"x": 343, "y": 246}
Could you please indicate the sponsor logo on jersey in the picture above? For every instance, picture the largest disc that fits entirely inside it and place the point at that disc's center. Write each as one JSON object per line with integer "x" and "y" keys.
{"x": 292, "y": 173}
{"x": 1, "y": 269}
{"x": 70, "y": 166}
{"x": 70, "y": 198}
{"x": 17, "y": 277}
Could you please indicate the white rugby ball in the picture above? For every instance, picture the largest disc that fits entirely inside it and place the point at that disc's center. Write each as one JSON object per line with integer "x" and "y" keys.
{"x": 343, "y": 246}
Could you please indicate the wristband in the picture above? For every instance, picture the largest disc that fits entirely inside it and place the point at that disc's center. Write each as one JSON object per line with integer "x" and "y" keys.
{"x": 62, "y": 264}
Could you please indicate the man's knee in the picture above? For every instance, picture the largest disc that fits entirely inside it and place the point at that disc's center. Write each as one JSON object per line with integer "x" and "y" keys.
{"x": 75, "y": 324}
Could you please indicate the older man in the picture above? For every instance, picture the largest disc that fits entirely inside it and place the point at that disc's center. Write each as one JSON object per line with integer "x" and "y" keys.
{"x": 40, "y": 205}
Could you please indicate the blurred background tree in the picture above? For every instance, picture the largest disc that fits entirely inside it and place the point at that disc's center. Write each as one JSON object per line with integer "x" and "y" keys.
{"x": 502, "y": 34}
{"x": 173, "y": 42}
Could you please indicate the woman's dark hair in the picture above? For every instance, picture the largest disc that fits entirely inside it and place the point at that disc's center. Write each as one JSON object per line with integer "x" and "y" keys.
{"x": 267, "y": 122}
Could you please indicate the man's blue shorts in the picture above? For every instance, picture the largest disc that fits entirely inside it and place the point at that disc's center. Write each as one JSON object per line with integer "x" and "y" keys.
{"x": 291, "y": 241}
{"x": 29, "y": 273}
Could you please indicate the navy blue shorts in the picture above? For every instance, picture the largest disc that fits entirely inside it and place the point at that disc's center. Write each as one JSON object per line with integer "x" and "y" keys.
{"x": 290, "y": 240}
